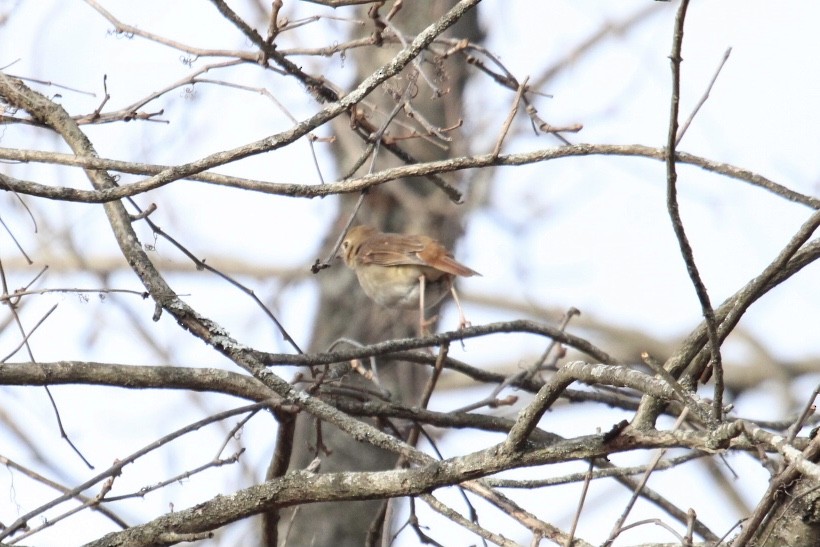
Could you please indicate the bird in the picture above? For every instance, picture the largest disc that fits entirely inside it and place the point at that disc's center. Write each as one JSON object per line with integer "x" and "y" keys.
{"x": 403, "y": 271}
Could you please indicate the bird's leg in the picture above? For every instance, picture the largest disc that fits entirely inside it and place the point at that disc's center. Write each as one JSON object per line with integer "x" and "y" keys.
{"x": 423, "y": 323}
{"x": 462, "y": 319}
{"x": 421, "y": 306}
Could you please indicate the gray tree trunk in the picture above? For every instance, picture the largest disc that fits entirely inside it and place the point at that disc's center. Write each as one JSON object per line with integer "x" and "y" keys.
{"x": 413, "y": 205}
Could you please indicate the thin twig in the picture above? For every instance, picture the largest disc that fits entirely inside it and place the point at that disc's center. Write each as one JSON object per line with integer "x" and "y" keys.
{"x": 808, "y": 410}
{"x": 577, "y": 517}
{"x": 677, "y": 223}
{"x": 116, "y": 469}
{"x": 350, "y": 185}
{"x": 685, "y": 397}
{"x": 619, "y": 524}
{"x": 522, "y": 87}
{"x": 529, "y": 372}
{"x": 703, "y": 99}
{"x": 442, "y": 509}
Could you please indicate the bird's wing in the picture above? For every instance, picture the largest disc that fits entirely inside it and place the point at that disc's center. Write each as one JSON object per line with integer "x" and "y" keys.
{"x": 411, "y": 250}
{"x": 393, "y": 250}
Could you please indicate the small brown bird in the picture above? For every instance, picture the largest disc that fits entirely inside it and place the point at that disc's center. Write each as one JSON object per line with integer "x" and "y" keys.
{"x": 396, "y": 269}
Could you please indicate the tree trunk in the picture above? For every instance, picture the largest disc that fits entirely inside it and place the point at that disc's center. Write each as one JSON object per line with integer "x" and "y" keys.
{"x": 411, "y": 206}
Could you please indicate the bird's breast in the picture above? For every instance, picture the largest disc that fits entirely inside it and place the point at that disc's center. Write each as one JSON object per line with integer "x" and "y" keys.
{"x": 398, "y": 286}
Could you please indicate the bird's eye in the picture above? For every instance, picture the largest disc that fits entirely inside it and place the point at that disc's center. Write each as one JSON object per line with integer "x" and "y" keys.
{"x": 345, "y": 244}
